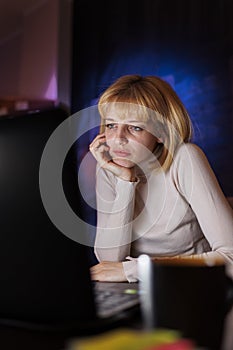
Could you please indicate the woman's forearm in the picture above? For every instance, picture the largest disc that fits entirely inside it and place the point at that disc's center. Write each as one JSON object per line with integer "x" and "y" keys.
{"x": 114, "y": 223}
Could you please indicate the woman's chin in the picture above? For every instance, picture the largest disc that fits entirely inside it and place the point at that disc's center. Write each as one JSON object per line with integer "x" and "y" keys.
{"x": 126, "y": 163}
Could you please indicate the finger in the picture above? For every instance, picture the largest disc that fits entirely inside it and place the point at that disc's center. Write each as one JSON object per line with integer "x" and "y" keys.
{"x": 95, "y": 273}
{"x": 100, "y": 135}
{"x": 102, "y": 149}
{"x": 101, "y": 153}
{"x": 95, "y": 145}
{"x": 98, "y": 138}
{"x": 98, "y": 146}
{"x": 94, "y": 277}
{"x": 94, "y": 268}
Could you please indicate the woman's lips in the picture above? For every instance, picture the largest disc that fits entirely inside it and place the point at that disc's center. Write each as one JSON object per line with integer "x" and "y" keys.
{"x": 120, "y": 153}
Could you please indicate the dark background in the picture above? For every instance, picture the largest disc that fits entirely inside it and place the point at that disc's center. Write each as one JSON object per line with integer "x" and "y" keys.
{"x": 188, "y": 43}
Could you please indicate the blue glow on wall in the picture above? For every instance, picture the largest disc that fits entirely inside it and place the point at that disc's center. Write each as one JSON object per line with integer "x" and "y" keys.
{"x": 203, "y": 84}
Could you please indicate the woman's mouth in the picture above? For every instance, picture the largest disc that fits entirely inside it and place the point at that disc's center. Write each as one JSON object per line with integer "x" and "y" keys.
{"x": 121, "y": 153}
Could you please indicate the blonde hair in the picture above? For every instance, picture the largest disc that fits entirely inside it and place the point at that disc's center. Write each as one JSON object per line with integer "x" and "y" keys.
{"x": 158, "y": 102}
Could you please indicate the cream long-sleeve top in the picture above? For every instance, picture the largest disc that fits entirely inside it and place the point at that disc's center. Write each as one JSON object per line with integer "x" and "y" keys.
{"x": 182, "y": 211}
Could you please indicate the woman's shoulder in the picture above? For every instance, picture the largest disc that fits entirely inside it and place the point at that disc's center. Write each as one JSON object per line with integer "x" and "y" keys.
{"x": 189, "y": 147}
{"x": 189, "y": 151}
{"x": 189, "y": 157}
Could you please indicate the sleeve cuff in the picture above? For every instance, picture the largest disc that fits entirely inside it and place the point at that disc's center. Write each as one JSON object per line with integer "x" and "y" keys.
{"x": 130, "y": 270}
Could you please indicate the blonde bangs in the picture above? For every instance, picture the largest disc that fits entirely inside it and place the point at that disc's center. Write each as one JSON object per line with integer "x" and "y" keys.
{"x": 123, "y": 105}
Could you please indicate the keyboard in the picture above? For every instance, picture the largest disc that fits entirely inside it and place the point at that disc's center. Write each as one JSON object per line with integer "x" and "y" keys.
{"x": 113, "y": 298}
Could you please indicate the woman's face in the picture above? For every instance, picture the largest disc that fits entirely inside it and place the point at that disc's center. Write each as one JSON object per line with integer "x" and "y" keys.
{"x": 130, "y": 141}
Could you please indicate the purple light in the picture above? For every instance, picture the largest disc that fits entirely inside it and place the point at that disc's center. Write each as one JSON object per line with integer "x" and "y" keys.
{"x": 51, "y": 91}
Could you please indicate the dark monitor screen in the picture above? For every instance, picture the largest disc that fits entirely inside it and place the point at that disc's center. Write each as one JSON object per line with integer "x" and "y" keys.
{"x": 44, "y": 275}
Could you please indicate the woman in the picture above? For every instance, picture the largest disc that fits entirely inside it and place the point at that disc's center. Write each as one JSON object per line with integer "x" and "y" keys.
{"x": 156, "y": 193}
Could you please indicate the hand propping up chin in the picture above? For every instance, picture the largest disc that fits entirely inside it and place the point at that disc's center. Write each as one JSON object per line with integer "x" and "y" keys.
{"x": 100, "y": 151}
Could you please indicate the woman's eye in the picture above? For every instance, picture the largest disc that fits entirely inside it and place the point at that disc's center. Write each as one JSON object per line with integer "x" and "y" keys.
{"x": 135, "y": 128}
{"x": 110, "y": 126}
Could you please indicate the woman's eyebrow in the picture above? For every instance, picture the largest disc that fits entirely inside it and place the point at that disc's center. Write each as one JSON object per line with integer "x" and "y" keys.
{"x": 110, "y": 119}
{"x": 126, "y": 121}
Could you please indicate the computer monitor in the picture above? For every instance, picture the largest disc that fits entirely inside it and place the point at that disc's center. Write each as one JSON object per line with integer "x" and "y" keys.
{"x": 44, "y": 275}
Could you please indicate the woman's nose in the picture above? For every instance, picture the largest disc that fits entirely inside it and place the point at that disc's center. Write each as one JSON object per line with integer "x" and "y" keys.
{"x": 121, "y": 137}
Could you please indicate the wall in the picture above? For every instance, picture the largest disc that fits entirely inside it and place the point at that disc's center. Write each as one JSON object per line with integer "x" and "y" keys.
{"x": 38, "y": 73}
{"x": 10, "y": 62}
{"x": 188, "y": 43}
{"x": 35, "y": 62}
